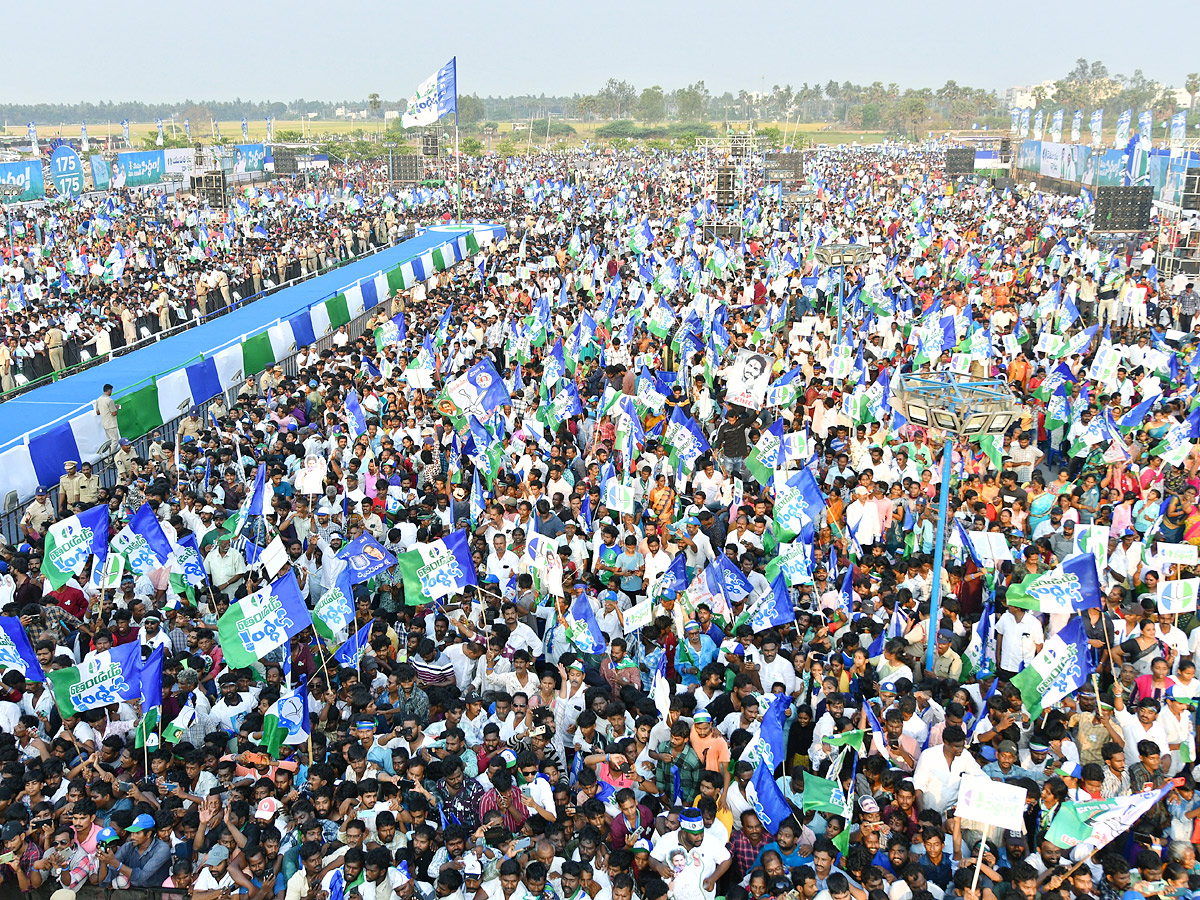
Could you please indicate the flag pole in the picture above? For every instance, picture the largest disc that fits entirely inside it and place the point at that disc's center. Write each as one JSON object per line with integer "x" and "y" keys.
{"x": 457, "y": 157}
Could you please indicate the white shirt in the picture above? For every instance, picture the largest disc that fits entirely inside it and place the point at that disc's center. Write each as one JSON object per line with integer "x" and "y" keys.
{"x": 939, "y": 780}
{"x": 1021, "y": 640}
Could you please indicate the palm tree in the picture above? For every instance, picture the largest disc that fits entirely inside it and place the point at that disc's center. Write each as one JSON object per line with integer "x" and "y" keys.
{"x": 1192, "y": 86}
{"x": 374, "y": 102}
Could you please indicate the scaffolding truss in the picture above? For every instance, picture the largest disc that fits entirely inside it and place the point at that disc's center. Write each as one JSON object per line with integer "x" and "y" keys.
{"x": 1177, "y": 247}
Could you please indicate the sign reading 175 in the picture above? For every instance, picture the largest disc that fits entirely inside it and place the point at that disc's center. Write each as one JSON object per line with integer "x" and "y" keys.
{"x": 66, "y": 170}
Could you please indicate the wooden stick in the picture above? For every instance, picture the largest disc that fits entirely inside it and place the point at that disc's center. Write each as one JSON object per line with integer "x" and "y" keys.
{"x": 979, "y": 858}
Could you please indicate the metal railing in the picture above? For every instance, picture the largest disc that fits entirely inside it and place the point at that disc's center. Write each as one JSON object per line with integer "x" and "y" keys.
{"x": 193, "y": 322}
{"x": 106, "y": 469}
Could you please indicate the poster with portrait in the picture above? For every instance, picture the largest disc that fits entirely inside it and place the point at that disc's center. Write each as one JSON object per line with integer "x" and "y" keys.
{"x": 746, "y": 379}
{"x": 311, "y": 479}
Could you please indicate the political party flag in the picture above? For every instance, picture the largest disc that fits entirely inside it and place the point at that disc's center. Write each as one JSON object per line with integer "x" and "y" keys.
{"x": 823, "y": 795}
{"x": 287, "y": 721}
{"x": 727, "y": 580}
{"x": 253, "y": 505}
{"x": 479, "y": 391}
{"x": 767, "y": 455}
{"x": 1094, "y": 823}
{"x": 173, "y": 733}
{"x": 189, "y": 562}
{"x": 847, "y": 739}
{"x": 553, "y": 366}
{"x": 434, "y": 97}
{"x": 145, "y": 525}
{"x": 365, "y": 558}
{"x": 769, "y": 803}
{"x": 660, "y": 689}
{"x": 101, "y": 679}
{"x": 583, "y": 630}
{"x": 976, "y": 658}
{"x": 793, "y": 561}
{"x": 675, "y": 577}
{"x": 772, "y": 609}
{"x": 1173, "y": 596}
{"x": 16, "y": 650}
{"x": 334, "y": 612}
{"x": 352, "y": 650}
{"x": 1058, "y": 410}
{"x": 1070, "y": 587}
{"x": 1059, "y": 670}
{"x": 152, "y": 682}
{"x": 355, "y": 415}
{"x": 71, "y": 541}
{"x": 437, "y": 569}
{"x": 258, "y": 623}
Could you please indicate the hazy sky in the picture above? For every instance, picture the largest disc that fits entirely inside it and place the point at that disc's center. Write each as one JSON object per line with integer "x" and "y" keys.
{"x": 269, "y": 49}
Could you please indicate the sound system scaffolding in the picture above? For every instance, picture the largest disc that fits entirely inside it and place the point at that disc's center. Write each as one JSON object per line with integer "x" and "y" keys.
{"x": 1177, "y": 246}
{"x": 734, "y": 165}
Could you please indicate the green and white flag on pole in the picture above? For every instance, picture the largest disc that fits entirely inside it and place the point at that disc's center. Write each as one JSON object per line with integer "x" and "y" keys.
{"x": 1058, "y": 671}
{"x": 71, "y": 541}
{"x": 173, "y": 733}
{"x": 333, "y": 614}
{"x": 767, "y": 455}
{"x": 1092, "y": 824}
{"x": 100, "y": 680}
{"x": 262, "y": 621}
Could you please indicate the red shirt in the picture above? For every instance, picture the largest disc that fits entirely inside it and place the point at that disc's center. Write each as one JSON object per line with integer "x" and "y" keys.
{"x": 72, "y": 600}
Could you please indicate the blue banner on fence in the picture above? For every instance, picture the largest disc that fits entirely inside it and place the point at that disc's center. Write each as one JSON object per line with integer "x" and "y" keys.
{"x": 249, "y": 157}
{"x": 140, "y": 167}
{"x": 101, "y": 172}
{"x": 28, "y": 174}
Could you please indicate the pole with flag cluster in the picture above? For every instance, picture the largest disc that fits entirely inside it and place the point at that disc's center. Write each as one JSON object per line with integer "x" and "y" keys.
{"x": 435, "y": 97}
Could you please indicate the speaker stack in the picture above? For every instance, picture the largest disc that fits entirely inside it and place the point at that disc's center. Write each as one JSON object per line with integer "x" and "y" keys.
{"x": 725, "y": 187}
{"x": 960, "y": 162}
{"x": 1191, "y": 191}
{"x": 409, "y": 168}
{"x": 1123, "y": 208}
{"x": 430, "y": 145}
{"x": 285, "y": 160}
{"x": 212, "y": 187}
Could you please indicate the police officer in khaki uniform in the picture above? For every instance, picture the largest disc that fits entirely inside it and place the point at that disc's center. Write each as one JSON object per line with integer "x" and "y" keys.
{"x": 68, "y": 487}
{"x": 54, "y": 343}
{"x": 88, "y": 485}
{"x": 124, "y": 460}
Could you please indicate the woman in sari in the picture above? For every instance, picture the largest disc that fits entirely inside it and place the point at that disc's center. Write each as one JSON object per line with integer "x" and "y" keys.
{"x": 1040, "y": 502}
{"x": 1175, "y": 519}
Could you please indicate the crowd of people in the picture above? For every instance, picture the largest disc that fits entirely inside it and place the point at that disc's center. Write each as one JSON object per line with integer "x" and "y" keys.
{"x": 85, "y": 277}
{"x": 486, "y": 746}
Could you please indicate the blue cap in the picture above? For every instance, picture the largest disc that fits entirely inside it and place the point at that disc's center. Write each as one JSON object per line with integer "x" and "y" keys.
{"x": 610, "y": 595}
{"x": 107, "y": 834}
{"x": 702, "y": 715}
{"x": 691, "y": 820}
{"x": 144, "y": 822}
